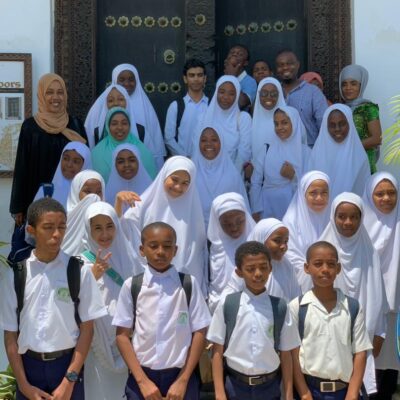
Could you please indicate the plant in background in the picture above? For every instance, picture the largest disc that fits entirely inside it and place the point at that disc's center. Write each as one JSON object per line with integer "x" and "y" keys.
{"x": 8, "y": 384}
{"x": 391, "y": 136}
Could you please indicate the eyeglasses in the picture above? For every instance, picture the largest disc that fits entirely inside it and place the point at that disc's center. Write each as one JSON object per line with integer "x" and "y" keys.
{"x": 266, "y": 93}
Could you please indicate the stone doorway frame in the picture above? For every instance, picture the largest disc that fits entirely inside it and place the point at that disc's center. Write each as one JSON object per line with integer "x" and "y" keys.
{"x": 329, "y": 44}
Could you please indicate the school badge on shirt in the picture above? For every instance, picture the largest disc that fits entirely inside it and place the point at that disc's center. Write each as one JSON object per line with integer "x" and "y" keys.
{"x": 63, "y": 294}
{"x": 182, "y": 318}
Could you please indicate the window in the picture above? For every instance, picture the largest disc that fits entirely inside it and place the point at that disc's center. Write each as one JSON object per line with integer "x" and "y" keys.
{"x": 13, "y": 108}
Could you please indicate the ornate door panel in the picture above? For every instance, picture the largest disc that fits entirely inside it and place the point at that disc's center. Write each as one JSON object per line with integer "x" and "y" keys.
{"x": 264, "y": 27}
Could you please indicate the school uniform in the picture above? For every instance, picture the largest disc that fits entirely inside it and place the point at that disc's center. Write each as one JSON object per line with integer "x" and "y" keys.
{"x": 248, "y": 85}
{"x": 330, "y": 331}
{"x": 47, "y": 322}
{"x": 192, "y": 114}
{"x": 250, "y": 352}
{"x": 163, "y": 327}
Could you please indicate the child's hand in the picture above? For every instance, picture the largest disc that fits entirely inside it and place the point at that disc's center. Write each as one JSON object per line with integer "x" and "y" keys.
{"x": 150, "y": 390}
{"x": 287, "y": 171}
{"x": 100, "y": 265}
{"x": 125, "y": 197}
{"x": 177, "y": 390}
{"x": 232, "y": 66}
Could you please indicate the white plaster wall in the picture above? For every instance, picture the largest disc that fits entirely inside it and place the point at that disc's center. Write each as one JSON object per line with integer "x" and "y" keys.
{"x": 26, "y": 26}
{"x": 376, "y": 34}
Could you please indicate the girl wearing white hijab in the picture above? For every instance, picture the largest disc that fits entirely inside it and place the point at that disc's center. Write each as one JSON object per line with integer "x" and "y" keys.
{"x": 216, "y": 173}
{"x": 232, "y": 124}
{"x": 173, "y": 198}
{"x": 112, "y": 260}
{"x": 97, "y": 114}
{"x": 306, "y": 219}
{"x": 230, "y": 224}
{"x": 67, "y": 168}
{"x": 339, "y": 153}
{"x": 278, "y": 166}
{"x": 382, "y": 222}
{"x": 361, "y": 275}
{"x": 127, "y": 172}
{"x": 269, "y": 97}
{"x": 86, "y": 188}
{"x": 142, "y": 109}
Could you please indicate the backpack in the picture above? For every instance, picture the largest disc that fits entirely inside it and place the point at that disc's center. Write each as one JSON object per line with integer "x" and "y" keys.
{"x": 352, "y": 304}
{"x": 74, "y": 284}
{"x": 180, "y": 110}
{"x": 231, "y": 309}
{"x": 136, "y": 286}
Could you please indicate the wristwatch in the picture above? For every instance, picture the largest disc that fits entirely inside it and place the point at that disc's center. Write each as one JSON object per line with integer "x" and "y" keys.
{"x": 72, "y": 376}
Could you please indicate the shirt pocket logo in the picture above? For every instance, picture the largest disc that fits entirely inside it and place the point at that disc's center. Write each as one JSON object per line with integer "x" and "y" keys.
{"x": 62, "y": 294}
{"x": 182, "y": 318}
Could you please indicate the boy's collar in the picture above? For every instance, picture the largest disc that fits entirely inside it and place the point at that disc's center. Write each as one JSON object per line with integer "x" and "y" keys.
{"x": 151, "y": 273}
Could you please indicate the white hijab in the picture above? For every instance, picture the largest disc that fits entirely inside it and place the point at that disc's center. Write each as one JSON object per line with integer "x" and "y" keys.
{"x": 361, "y": 275}
{"x": 226, "y": 122}
{"x": 282, "y": 281}
{"x": 116, "y": 183}
{"x": 61, "y": 184}
{"x": 75, "y": 235}
{"x": 305, "y": 226}
{"x": 384, "y": 231}
{"x": 223, "y": 247}
{"x": 217, "y": 176}
{"x": 263, "y": 130}
{"x": 184, "y": 214}
{"x": 142, "y": 109}
{"x": 96, "y": 117}
{"x": 345, "y": 163}
{"x": 123, "y": 262}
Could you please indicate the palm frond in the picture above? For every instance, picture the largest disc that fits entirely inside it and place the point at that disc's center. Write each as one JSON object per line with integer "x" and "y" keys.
{"x": 391, "y": 139}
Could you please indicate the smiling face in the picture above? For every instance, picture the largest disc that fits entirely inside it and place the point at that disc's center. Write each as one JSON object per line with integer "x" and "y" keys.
{"x": 209, "y": 144}
{"x": 287, "y": 66}
{"x": 226, "y": 95}
{"x": 269, "y": 96}
{"x": 102, "y": 230}
{"x": 317, "y": 195}
{"x": 71, "y": 163}
{"x": 127, "y": 80}
{"x": 119, "y": 126}
{"x": 255, "y": 270}
{"x": 338, "y": 126}
{"x": 350, "y": 89}
{"x": 347, "y": 219}
{"x": 277, "y": 243}
{"x": 283, "y": 125}
{"x": 115, "y": 99}
{"x": 91, "y": 186}
{"x": 233, "y": 223}
{"x": 384, "y": 196}
{"x": 54, "y": 97}
{"x": 126, "y": 164}
{"x": 177, "y": 184}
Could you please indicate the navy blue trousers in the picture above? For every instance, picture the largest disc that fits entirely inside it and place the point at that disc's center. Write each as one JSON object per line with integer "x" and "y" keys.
{"x": 47, "y": 375}
{"x": 237, "y": 390}
{"x": 318, "y": 395}
{"x": 163, "y": 379}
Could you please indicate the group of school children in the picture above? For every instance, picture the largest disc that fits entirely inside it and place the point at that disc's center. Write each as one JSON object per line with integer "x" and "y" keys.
{"x": 138, "y": 262}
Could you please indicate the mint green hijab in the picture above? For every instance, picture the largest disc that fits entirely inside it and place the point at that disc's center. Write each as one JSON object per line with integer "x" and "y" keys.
{"x": 102, "y": 153}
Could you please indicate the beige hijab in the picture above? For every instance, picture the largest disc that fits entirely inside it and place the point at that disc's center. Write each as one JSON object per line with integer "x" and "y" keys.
{"x": 54, "y": 123}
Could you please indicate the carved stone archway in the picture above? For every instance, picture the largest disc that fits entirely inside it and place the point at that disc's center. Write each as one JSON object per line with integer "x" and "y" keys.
{"x": 329, "y": 43}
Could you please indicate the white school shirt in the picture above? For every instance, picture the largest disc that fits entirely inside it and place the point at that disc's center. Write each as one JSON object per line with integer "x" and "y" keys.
{"x": 164, "y": 325}
{"x": 47, "y": 320}
{"x": 326, "y": 351}
{"x": 251, "y": 346}
{"x": 192, "y": 115}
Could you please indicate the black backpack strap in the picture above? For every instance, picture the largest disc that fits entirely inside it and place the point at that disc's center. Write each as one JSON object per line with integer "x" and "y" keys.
{"x": 180, "y": 110}
{"x": 279, "y": 308}
{"x": 354, "y": 307}
{"x": 96, "y": 135}
{"x": 19, "y": 269}
{"x": 136, "y": 286}
{"x": 302, "y": 317}
{"x": 231, "y": 309}
{"x": 74, "y": 284}
{"x": 186, "y": 282}
{"x": 141, "y": 132}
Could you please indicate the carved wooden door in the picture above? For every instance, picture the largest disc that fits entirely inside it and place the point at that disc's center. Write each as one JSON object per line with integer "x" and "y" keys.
{"x": 264, "y": 26}
{"x": 148, "y": 34}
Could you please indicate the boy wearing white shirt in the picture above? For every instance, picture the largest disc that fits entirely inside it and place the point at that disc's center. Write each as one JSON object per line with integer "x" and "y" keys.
{"x": 253, "y": 366}
{"x": 331, "y": 361}
{"x": 168, "y": 327}
{"x": 46, "y": 348}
